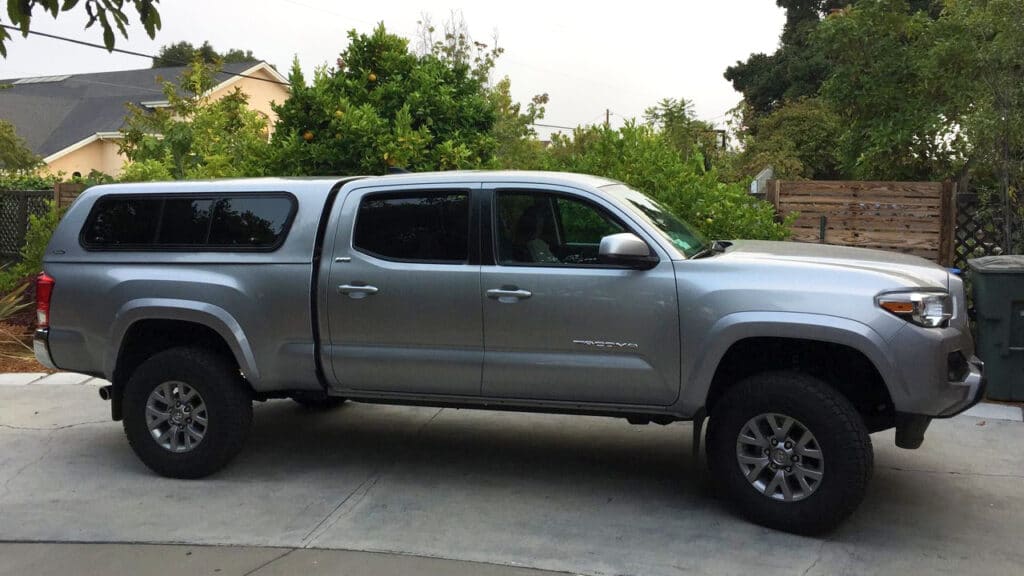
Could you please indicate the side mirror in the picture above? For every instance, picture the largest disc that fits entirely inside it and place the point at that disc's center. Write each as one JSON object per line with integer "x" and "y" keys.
{"x": 626, "y": 250}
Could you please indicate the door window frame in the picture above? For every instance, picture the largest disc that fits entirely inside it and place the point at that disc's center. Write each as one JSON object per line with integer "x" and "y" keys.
{"x": 491, "y": 228}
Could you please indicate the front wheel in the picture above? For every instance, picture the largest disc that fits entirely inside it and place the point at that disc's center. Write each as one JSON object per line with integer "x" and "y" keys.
{"x": 792, "y": 452}
{"x": 187, "y": 412}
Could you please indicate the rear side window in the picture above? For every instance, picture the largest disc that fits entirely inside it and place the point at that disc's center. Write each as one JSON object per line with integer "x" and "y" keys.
{"x": 414, "y": 227}
{"x": 200, "y": 222}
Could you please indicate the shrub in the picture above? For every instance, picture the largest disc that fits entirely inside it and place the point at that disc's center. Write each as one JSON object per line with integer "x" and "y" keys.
{"x": 642, "y": 158}
{"x": 37, "y": 236}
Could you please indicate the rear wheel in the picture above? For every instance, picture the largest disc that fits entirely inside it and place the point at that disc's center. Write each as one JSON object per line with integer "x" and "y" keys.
{"x": 187, "y": 412}
{"x": 791, "y": 452}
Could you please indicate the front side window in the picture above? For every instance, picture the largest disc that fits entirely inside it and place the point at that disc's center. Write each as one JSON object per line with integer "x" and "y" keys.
{"x": 537, "y": 228}
{"x": 414, "y": 226}
{"x": 201, "y": 222}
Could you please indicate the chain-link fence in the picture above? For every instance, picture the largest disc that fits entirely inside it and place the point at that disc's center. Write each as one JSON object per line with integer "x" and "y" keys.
{"x": 15, "y": 208}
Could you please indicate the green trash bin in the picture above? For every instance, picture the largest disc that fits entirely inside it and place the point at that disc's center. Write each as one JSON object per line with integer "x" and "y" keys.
{"x": 998, "y": 283}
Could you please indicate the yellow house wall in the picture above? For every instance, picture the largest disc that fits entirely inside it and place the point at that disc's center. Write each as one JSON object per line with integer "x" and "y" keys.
{"x": 103, "y": 155}
{"x": 99, "y": 155}
{"x": 260, "y": 93}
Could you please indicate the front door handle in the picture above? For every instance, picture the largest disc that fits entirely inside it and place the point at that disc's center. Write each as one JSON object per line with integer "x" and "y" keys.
{"x": 357, "y": 291}
{"x": 508, "y": 295}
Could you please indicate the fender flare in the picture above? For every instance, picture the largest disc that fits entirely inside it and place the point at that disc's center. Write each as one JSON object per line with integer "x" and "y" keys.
{"x": 205, "y": 314}
{"x": 732, "y": 328}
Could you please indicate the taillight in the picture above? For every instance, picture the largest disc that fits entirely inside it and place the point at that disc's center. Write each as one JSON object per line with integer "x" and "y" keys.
{"x": 44, "y": 289}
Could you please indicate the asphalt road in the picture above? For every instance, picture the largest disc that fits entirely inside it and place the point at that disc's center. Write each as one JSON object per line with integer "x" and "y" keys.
{"x": 573, "y": 494}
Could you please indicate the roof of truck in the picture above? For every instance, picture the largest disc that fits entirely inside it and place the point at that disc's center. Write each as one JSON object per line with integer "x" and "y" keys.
{"x": 277, "y": 183}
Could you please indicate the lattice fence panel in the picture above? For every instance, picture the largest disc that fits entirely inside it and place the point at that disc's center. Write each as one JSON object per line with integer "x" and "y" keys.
{"x": 15, "y": 208}
{"x": 979, "y": 230}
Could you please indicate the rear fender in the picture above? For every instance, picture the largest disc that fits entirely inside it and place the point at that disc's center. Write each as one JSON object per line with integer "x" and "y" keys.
{"x": 213, "y": 317}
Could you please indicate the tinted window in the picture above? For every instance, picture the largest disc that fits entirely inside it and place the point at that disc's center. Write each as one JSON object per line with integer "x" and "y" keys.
{"x": 248, "y": 221}
{"x": 123, "y": 222}
{"x": 205, "y": 222}
{"x": 186, "y": 221}
{"x": 430, "y": 227}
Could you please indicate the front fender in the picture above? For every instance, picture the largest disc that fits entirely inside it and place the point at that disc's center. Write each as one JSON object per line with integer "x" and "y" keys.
{"x": 738, "y": 326}
{"x": 203, "y": 313}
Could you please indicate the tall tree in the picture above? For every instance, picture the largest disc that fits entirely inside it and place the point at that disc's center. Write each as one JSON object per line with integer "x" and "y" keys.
{"x": 681, "y": 127}
{"x": 383, "y": 105}
{"x": 515, "y": 137}
{"x": 183, "y": 53}
{"x": 14, "y": 153}
{"x": 897, "y": 109}
{"x": 795, "y": 70}
{"x": 979, "y": 60}
{"x": 195, "y": 136}
{"x": 109, "y": 14}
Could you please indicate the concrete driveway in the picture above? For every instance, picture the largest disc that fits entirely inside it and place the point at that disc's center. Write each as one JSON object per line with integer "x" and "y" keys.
{"x": 576, "y": 494}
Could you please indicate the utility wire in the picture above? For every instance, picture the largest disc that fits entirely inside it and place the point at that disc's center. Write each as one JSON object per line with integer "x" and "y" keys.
{"x": 133, "y": 53}
{"x": 239, "y": 74}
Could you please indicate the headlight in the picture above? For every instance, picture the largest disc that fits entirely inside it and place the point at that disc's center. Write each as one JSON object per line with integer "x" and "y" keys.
{"x": 928, "y": 309}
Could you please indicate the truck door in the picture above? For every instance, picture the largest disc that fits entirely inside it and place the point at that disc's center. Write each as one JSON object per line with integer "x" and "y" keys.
{"x": 559, "y": 325}
{"x": 404, "y": 292}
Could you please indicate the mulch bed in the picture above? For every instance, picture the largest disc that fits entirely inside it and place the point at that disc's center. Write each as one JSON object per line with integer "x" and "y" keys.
{"x": 16, "y": 338}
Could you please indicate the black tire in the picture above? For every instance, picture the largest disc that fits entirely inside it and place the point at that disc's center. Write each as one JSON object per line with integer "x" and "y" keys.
{"x": 228, "y": 403}
{"x": 838, "y": 429}
{"x": 314, "y": 401}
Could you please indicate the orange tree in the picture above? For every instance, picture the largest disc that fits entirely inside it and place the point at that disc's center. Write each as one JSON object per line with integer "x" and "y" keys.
{"x": 383, "y": 105}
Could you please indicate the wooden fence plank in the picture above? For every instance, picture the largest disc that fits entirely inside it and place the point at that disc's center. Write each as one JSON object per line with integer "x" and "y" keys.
{"x": 911, "y": 217}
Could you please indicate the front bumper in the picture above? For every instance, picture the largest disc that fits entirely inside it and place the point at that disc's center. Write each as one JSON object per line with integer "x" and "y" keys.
{"x": 41, "y": 347}
{"x": 910, "y": 427}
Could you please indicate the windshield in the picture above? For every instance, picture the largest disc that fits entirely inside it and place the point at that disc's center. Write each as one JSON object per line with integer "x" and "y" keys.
{"x": 682, "y": 236}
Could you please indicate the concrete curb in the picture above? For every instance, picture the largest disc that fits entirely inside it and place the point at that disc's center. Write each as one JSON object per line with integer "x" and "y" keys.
{"x": 44, "y": 379}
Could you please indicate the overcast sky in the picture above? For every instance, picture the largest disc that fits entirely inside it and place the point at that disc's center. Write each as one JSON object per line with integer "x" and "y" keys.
{"x": 587, "y": 56}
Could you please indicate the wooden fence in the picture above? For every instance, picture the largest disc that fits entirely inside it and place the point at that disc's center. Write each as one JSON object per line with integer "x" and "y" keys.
{"x": 913, "y": 217}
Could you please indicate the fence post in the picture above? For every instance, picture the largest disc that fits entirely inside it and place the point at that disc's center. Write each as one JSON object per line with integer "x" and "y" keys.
{"x": 64, "y": 193}
{"x": 947, "y": 226}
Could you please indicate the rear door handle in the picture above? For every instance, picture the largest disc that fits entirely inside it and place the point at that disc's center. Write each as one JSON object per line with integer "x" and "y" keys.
{"x": 508, "y": 295}
{"x": 357, "y": 291}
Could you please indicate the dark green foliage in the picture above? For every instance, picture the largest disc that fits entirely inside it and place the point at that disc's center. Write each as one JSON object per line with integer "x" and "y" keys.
{"x": 796, "y": 70}
{"x": 382, "y": 105}
{"x": 645, "y": 159}
{"x": 184, "y": 53}
{"x": 198, "y": 137}
{"x": 109, "y": 14}
{"x": 14, "y": 153}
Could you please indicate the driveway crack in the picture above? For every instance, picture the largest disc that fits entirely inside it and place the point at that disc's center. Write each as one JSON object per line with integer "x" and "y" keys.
{"x": 950, "y": 472}
{"x": 53, "y": 428}
{"x": 269, "y": 562}
{"x": 43, "y": 454}
{"x": 362, "y": 490}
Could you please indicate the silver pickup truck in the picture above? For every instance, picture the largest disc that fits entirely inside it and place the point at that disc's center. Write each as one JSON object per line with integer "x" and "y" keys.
{"x": 536, "y": 292}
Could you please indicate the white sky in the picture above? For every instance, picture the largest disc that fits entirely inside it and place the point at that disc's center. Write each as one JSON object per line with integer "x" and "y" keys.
{"x": 586, "y": 56}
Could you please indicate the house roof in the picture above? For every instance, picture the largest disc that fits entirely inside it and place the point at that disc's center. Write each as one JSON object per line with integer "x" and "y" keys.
{"x": 54, "y": 112}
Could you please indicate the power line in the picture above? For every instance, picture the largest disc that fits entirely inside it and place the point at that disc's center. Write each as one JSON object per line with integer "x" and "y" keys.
{"x": 238, "y": 74}
{"x": 133, "y": 53}
{"x": 552, "y": 126}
